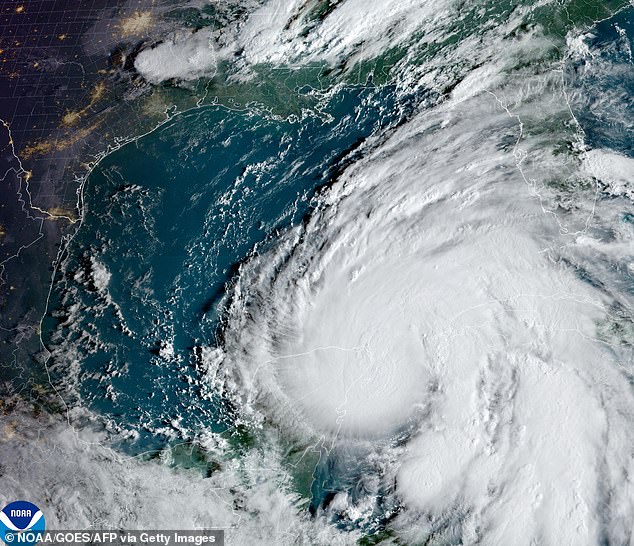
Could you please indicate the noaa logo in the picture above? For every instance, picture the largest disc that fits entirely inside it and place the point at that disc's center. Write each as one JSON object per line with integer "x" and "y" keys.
{"x": 20, "y": 523}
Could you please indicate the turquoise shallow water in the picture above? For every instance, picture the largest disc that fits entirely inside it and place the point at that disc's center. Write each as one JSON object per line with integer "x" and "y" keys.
{"x": 168, "y": 220}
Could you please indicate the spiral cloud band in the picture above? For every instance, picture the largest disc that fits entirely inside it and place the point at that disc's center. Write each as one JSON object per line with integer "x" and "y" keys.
{"x": 428, "y": 292}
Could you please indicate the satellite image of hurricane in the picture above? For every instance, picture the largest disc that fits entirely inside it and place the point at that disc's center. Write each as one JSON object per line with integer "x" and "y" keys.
{"x": 319, "y": 272}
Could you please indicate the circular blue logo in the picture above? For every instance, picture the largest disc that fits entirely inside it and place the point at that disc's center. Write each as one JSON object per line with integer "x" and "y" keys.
{"x": 21, "y": 523}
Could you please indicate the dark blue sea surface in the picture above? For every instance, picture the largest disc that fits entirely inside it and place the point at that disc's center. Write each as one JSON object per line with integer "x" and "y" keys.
{"x": 603, "y": 85}
{"x": 169, "y": 217}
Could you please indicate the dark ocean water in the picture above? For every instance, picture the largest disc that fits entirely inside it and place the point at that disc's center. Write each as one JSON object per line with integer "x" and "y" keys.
{"x": 603, "y": 86}
{"x": 169, "y": 218}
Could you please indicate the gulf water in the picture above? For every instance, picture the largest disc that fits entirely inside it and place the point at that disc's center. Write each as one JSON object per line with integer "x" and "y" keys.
{"x": 167, "y": 221}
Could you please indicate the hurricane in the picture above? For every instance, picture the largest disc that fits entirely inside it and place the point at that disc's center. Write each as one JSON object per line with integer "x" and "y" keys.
{"x": 442, "y": 310}
{"x": 431, "y": 294}
{"x": 382, "y": 294}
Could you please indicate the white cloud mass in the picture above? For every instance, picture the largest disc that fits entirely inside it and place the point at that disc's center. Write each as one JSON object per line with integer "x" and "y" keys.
{"x": 182, "y": 57}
